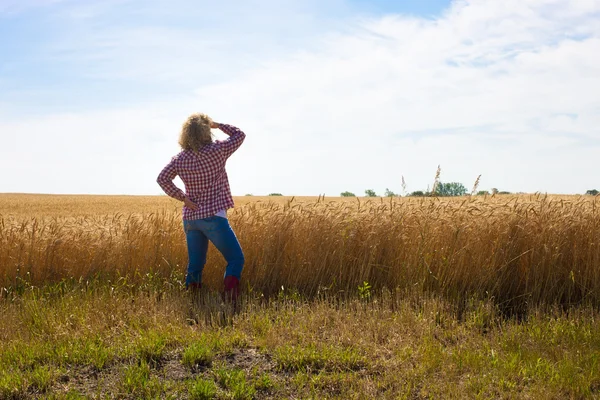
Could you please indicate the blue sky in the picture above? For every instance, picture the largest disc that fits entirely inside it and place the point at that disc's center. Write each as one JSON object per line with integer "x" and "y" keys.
{"x": 334, "y": 95}
{"x": 421, "y": 8}
{"x": 62, "y": 78}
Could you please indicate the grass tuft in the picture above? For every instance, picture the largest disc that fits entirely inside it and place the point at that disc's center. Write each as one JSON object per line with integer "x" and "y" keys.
{"x": 235, "y": 381}
{"x": 202, "y": 389}
{"x": 197, "y": 355}
{"x": 150, "y": 348}
{"x": 313, "y": 358}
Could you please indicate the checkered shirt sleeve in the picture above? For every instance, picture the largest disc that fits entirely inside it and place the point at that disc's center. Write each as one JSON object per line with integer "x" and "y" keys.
{"x": 165, "y": 180}
{"x": 235, "y": 140}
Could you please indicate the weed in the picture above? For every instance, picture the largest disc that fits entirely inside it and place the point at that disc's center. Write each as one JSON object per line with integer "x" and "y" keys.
{"x": 137, "y": 381}
{"x": 202, "y": 389}
{"x": 136, "y": 377}
{"x": 235, "y": 381}
{"x": 364, "y": 291}
{"x": 313, "y": 358}
{"x": 41, "y": 378}
{"x": 197, "y": 355}
{"x": 264, "y": 383}
{"x": 150, "y": 348}
{"x": 12, "y": 384}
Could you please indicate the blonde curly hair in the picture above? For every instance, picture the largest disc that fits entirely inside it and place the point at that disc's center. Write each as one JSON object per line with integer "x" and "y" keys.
{"x": 195, "y": 132}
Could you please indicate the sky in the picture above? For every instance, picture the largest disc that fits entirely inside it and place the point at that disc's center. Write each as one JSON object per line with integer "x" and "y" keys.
{"x": 333, "y": 95}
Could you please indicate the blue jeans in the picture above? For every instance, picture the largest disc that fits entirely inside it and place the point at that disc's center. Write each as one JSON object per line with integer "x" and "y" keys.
{"x": 218, "y": 231}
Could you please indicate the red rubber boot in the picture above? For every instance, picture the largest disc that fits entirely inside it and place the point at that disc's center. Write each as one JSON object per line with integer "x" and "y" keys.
{"x": 232, "y": 289}
{"x": 194, "y": 288}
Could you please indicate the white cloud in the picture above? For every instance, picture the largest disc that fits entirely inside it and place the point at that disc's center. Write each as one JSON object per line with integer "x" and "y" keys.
{"x": 503, "y": 89}
{"x": 505, "y": 77}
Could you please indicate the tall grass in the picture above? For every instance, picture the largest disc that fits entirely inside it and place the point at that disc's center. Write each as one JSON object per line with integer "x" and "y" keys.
{"x": 518, "y": 251}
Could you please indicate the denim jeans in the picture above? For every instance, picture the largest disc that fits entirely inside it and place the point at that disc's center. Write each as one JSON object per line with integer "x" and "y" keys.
{"x": 218, "y": 231}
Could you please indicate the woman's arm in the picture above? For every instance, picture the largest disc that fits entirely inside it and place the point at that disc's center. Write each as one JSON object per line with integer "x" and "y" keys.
{"x": 235, "y": 140}
{"x": 165, "y": 180}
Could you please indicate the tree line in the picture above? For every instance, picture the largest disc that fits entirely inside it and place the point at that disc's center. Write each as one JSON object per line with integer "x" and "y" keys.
{"x": 449, "y": 189}
{"x": 442, "y": 189}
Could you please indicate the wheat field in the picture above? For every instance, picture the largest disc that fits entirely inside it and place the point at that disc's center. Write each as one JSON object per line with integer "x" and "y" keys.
{"x": 515, "y": 250}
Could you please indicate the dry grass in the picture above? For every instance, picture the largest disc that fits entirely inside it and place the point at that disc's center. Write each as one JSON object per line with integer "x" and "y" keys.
{"x": 518, "y": 251}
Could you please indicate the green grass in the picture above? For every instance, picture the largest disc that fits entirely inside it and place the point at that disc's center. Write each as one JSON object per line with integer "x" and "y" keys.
{"x": 202, "y": 389}
{"x": 264, "y": 383}
{"x": 12, "y": 384}
{"x": 150, "y": 347}
{"x": 132, "y": 344}
{"x": 235, "y": 381}
{"x": 17, "y": 384}
{"x": 197, "y": 355}
{"x": 313, "y": 358}
{"x": 137, "y": 382}
{"x": 135, "y": 378}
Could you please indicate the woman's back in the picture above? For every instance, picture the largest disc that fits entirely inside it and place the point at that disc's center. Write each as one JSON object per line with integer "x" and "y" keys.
{"x": 203, "y": 173}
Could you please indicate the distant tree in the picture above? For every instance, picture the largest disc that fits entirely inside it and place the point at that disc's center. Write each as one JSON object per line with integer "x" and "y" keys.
{"x": 347, "y": 194}
{"x": 592, "y": 192}
{"x": 504, "y": 192}
{"x": 370, "y": 193}
{"x": 483, "y": 193}
{"x": 494, "y": 191}
{"x": 249, "y": 194}
{"x": 450, "y": 189}
{"x": 417, "y": 193}
{"x": 389, "y": 193}
{"x": 275, "y": 194}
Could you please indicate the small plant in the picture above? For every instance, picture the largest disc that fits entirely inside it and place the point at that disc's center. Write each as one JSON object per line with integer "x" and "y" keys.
{"x": 202, "y": 389}
{"x": 41, "y": 378}
{"x": 264, "y": 383}
{"x": 136, "y": 378}
{"x": 98, "y": 354}
{"x": 313, "y": 358}
{"x": 150, "y": 348}
{"x": 235, "y": 381}
{"x": 364, "y": 291}
{"x": 197, "y": 355}
{"x": 71, "y": 395}
{"x": 12, "y": 385}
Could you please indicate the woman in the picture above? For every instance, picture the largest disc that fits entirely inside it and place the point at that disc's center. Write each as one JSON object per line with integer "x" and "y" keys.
{"x": 201, "y": 167}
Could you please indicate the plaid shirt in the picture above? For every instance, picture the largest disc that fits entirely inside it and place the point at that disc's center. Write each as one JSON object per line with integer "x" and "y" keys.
{"x": 203, "y": 174}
